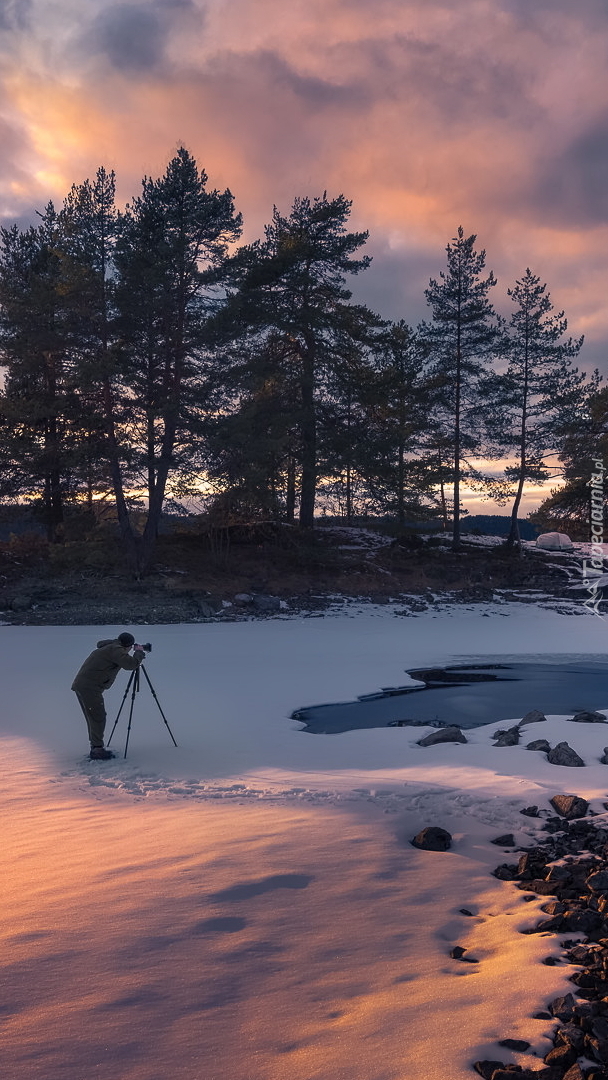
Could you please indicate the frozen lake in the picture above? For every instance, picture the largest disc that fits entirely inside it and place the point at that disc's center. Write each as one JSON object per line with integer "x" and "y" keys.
{"x": 472, "y": 694}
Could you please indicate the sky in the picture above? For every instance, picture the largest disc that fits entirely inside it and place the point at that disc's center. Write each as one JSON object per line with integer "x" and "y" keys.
{"x": 490, "y": 114}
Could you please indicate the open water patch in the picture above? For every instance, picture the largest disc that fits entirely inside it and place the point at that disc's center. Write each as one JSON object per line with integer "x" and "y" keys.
{"x": 471, "y": 694}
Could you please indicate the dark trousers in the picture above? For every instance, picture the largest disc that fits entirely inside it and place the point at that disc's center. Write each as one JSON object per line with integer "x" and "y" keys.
{"x": 92, "y": 704}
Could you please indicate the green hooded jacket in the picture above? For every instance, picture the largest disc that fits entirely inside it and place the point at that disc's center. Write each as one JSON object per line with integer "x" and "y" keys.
{"x": 102, "y": 666}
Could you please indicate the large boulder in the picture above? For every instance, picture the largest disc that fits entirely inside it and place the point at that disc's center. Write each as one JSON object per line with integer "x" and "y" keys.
{"x": 266, "y": 603}
{"x": 569, "y": 806}
{"x": 598, "y": 882}
{"x": 532, "y": 717}
{"x": 206, "y": 609}
{"x": 433, "y": 839}
{"x": 22, "y": 602}
{"x": 539, "y": 744}
{"x": 510, "y": 737}
{"x": 563, "y": 754}
{"x": 585, "y": 717}
{"x": 554, "y": 541}
{"x": 443, "y": 735}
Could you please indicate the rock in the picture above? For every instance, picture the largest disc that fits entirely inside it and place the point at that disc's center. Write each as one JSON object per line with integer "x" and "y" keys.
{"x": 586, "y": 922}
{"x": 532, "y": 717}
{"x": 569, "y": 806}
{"x": 443, "y": 735}
{"x": 510, "y": 737}
{"x": 562, "y": 1007}
{"x": 530, "y": 811}
{"x": 22, "y": 602}
{"x": 574, "y": 1073}
{"x": 506, "y": 872}
{"x": 604, "y": 761}
{"x": 507, "y": 840}
{"x": 515, "y": 1044}
{"x": 599, "y": 1026}
{"x": 563, "y": 754}
{"x": 598, "y": 882}
{"x": 266, "y": 603}
{"x": 539, "y": 744}
{"x": 554, "y": 541}
{"x": 558, "y": 873}
{"x": 589, "y": 718}
{"x": 206, "y": 609}
{"x": 433, "y": 839}
{"x": 487, "y": 1068}
{"x": 571, "y": 1035}
{"x": 457, "y": 952}
{"x": 243, "y": 598}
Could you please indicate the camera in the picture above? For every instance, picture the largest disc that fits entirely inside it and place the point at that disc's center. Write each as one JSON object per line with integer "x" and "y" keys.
{"x": 147, "y": 647}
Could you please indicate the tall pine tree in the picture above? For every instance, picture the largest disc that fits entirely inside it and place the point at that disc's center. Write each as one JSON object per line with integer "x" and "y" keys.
{"x": 42, "y": 416}
{"x": 462, "y": 339}
{"x": 292, "y": 284}
{"x": 169, "y": 238}
{"x": 540, "y": 394}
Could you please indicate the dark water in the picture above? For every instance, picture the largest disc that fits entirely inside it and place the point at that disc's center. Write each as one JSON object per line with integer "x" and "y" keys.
{"x": 470, "y": 695}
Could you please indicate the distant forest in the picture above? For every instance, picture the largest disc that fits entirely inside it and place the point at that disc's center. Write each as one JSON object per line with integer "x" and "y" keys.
{"x": 151, "y": 363}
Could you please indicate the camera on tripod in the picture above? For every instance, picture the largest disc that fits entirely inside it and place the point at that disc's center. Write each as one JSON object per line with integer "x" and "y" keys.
{"x": 133, "y": 685}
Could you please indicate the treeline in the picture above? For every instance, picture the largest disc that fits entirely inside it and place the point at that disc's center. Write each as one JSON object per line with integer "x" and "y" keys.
{"x": 147, "y": 357}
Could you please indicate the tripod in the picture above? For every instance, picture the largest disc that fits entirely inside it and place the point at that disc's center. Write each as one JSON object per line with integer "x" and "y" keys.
{"x": 133, "y": 685}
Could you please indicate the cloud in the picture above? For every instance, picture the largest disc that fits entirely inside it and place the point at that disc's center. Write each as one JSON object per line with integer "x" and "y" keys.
{"x": 134, "y": 37}
{"x": 573, "y": 185}
{"x": 492, "y": 114}
{"x": 15, "y": 14}
{"x": 130, "y": 36}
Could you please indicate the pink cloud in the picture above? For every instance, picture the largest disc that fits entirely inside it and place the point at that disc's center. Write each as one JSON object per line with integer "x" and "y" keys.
{"x": 483, "y": 114}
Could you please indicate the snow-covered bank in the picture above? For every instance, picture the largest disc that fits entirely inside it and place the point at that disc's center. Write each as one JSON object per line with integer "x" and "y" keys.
{"x": 249, "y": 906}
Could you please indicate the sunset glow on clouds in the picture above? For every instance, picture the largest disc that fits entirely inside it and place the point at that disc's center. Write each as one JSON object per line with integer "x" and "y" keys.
{"x": 492, "y": 114}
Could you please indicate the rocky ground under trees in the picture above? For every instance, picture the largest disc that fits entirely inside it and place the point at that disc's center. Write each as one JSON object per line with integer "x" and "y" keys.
{"x": 263, "y": 573}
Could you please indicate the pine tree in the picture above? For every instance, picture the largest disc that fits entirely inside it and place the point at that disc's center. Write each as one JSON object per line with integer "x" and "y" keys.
{"x": 540, "y": 393}
{"x": 41, "y": 419}
{"x": 398, "y": 404}
{"x": 88, "y": 222}
{"x": 168, "y": 238}
{"x": 582, "y": 441}
{"x": 250, "y": 446}
{"x": 462, "y": 339}
{"x": 292, "y": 284}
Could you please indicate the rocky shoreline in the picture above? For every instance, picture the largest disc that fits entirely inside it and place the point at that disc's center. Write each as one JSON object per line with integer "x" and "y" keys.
{"x": 71, "y": 589}
{"x": 570, "y": 868}
{"x": 133, "y": 605}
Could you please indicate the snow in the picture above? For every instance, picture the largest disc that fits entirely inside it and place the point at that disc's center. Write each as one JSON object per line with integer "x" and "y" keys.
{"x": 248, "y": 906}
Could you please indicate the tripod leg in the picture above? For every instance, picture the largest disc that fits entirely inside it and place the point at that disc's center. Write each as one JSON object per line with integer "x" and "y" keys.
{"x": 133, "y": 693}
{"x": 124, "y": 698}
{"x": 142, "y": 668}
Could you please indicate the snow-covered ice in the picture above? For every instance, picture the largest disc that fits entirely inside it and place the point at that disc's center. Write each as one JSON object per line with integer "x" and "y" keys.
{"x": 248, "y": 906}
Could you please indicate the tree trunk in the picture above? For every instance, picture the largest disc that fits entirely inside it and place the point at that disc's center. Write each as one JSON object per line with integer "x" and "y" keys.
{"x": 290, "y": 497}
{"x": 309, "y": 443}
{"x": 157, "y": 497}
{"x": 514, "y": 537}
{"x": 401, "y": 482}
{"x": 130, "y": 540}
{"x": 456, "y": 509}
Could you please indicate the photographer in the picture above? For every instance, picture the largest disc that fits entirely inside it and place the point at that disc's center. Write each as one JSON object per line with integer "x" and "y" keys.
{"x": 95, "y": 676}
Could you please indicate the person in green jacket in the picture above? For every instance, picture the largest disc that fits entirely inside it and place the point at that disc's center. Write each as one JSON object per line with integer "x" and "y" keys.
{"x": 95, "y": 676}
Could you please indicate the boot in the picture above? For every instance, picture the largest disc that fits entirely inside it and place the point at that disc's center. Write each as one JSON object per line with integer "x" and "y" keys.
{"x": 99, "y": 753}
